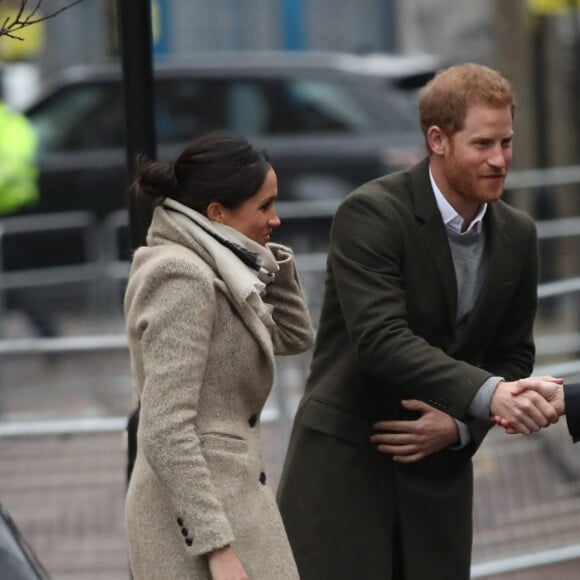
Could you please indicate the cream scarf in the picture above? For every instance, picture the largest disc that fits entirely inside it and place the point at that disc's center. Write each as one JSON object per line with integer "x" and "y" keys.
{"x": 245, "y": 266}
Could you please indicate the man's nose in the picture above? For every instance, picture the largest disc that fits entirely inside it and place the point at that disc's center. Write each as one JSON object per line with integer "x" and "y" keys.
{"x": 499, "y": 157}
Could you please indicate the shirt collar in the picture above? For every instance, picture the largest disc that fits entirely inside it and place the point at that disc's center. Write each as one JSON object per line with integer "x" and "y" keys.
{"x": 451, "y": 218}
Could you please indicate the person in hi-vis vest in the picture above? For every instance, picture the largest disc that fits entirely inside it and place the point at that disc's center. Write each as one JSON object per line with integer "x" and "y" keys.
{"x": 19, "y": 191}
{"x": 18, "y": 166}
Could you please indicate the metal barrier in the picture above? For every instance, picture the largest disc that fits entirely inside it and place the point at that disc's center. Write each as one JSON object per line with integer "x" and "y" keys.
{"x": 26, "y": 229}
{"x": 537, "y": 178}
{"x": 107, "y": 268}
{"x": 80, "y": 467}
{"x": 83, "y": 222}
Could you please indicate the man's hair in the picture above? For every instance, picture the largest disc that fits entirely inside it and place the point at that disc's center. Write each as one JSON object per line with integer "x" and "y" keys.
{"x": 444, "y": 100}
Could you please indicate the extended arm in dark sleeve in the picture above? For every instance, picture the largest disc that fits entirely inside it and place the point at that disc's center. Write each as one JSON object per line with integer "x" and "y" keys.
{"x": 367, "y": 258}
{"x": 572, "y": 399}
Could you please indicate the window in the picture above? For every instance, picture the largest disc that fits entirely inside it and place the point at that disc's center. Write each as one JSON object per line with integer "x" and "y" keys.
{"x": 188, "y": 107}
{"x": 325, "y": 107}
{"x": 254, "y": 107}
{"x": 279, "y": 106}
{"x": 86, "y": 116}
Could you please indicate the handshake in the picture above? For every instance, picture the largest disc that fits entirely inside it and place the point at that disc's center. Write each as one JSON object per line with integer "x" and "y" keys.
{"x": 527, "y": 405}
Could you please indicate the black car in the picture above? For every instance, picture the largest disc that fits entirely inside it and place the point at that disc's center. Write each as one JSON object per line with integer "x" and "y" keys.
{"x": 330, "y": 121}
{"x": 17, "y": 559}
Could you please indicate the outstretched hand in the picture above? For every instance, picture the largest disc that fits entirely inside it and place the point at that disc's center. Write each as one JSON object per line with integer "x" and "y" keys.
{"x": 410, "y": 441}
{"x": 536, "y": 402}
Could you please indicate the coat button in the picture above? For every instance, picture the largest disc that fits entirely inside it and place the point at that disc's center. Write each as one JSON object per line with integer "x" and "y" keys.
{"x": 263, "y": 478}
{"x": 188, "y": 541}
{"x": 184, "y": 532}
{"x": 179, "y": 522}
{"x": 253, "y": 420}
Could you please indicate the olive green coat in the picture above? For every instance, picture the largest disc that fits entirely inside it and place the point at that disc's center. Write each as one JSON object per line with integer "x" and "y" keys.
{"x": 387, "y": 333}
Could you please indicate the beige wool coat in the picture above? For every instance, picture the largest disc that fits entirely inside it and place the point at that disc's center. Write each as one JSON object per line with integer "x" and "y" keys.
{"x": 203, "y": 366}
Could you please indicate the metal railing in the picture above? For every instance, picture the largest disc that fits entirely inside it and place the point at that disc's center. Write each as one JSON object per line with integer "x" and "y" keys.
{"x": 82, "y": 222}
{"x": 82, "y": 501}
{"x": 105, "y": 265}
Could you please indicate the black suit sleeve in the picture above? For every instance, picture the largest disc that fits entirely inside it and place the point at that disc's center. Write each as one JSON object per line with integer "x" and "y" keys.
{"x": 572, "y": 398}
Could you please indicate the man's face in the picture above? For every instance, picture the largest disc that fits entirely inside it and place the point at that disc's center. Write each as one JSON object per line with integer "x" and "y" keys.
{"x": 476, "y": 159}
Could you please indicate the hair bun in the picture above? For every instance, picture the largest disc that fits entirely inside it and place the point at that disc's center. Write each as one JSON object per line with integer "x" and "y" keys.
{"x": 155, "y": 180}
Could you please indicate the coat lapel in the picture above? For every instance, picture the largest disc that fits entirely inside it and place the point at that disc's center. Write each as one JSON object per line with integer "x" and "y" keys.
{"x": 252, "y": 322}
{"x": 432, "y": 231}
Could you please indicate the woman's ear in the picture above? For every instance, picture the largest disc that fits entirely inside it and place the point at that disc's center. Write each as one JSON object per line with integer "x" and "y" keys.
{"x": 215, "y": 212}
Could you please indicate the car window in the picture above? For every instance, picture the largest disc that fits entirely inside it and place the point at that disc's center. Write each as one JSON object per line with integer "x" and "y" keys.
{"x": 258, "y": 107}
{"x": 80, "y": 117}
{"x": 249, "y": 110}
{"x": 90, "y": 115}
{"x": 320, "y": 106}
{"x": 187, "y": 107}
{"x": 292, "y": 106}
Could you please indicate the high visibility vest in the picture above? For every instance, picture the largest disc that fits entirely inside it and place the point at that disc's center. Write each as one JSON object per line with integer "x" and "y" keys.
{"x": 18, "y": 166}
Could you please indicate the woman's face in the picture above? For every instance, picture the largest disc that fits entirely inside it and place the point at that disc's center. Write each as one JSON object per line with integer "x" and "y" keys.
{"x": 256, "y": 217}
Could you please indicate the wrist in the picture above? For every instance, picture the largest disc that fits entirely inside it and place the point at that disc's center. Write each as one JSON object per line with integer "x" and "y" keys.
{"x": 219, "y": 551}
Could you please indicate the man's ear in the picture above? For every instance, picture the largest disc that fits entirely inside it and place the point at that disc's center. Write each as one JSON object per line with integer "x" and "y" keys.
{"x": 437, "y": 140}
{"x": 215, "y": 212}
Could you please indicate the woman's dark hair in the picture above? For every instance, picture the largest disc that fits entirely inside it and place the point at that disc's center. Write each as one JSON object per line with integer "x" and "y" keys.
{"x": 218, "y": 166}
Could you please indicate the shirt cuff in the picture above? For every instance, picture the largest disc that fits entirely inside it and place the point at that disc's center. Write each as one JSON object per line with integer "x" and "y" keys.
{"x": 464, "y": 435}
{"x": 479, "y": 408}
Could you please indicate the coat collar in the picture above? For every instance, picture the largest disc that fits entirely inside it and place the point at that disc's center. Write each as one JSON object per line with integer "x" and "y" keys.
{"x": 164, "y": 231}
{"x": 432, "y": 230}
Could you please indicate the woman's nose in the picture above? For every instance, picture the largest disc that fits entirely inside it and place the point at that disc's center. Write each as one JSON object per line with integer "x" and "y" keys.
{"x": 274, "y": 221}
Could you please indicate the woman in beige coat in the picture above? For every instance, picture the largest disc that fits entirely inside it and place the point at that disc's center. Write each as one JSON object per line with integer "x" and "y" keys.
{"x": 209, "y": 303}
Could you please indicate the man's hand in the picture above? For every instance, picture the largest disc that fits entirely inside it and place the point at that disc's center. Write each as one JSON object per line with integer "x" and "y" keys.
{"x": 523, "y": 406}
{"x": 410, "y": 441}
{"x": 551, "y": 388}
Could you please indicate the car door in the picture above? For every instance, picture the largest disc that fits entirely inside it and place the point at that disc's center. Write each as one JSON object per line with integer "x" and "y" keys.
{"x": 81, "y": 154}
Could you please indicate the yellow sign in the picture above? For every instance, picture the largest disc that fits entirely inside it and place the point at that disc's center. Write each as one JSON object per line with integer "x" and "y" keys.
{"x": 552, "y": 6}
{"x": 155, "y": 20}
{"x": 12, "y": 49}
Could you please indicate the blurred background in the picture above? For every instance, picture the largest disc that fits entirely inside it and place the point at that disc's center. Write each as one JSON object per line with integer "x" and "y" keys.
{"x": 329, "y": 87}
